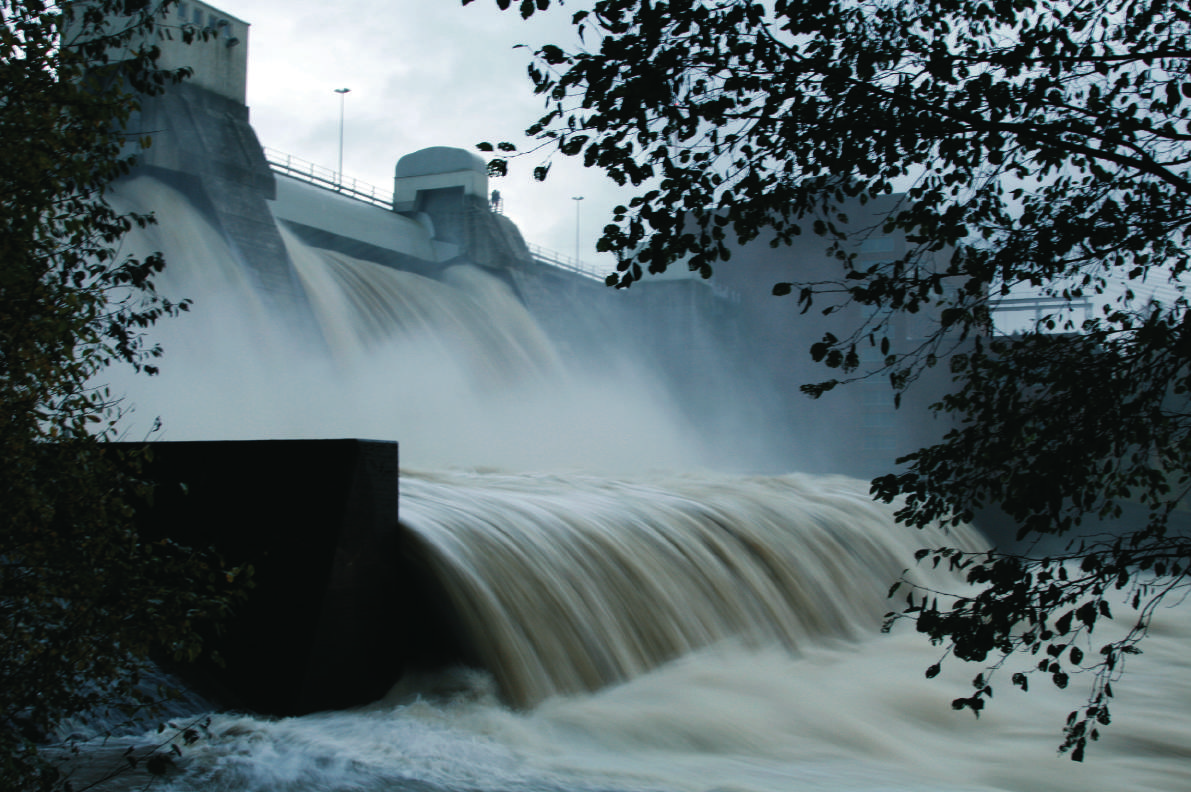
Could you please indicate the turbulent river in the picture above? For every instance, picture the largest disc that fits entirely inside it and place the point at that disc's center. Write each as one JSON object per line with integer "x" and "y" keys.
{"x": 636, "y": 629}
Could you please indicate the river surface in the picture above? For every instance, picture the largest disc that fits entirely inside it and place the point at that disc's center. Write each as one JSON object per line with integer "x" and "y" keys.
{"x": 695, "y": 633}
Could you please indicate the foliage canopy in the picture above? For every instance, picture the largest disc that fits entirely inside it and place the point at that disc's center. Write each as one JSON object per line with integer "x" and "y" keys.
{"x": 1032, "y": 144}
{"x": 82, "y": 598}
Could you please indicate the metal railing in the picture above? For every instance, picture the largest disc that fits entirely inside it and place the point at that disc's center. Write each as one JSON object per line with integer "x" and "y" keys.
{"x": 1038, "y": 307}
{"x": 326, "y": 178}
{"x": 555, "y": 259}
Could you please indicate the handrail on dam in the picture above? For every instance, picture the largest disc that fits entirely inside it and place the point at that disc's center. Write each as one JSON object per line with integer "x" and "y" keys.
{"x": 295, "y": 167}
{"x": 554, "y": 259}
{"x": 1039, "y": 306}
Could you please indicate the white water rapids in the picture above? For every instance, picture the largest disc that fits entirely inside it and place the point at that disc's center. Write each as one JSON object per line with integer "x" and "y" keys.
{"x": 668, "y": 632}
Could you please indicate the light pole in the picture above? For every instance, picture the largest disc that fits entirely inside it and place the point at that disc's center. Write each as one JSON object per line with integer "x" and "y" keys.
{"x": 576, "y": 199}
{"x": 342, "y": 92}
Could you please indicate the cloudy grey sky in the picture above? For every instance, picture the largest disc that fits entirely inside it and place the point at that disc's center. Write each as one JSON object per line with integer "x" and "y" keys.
{"x": 421, "y": 73}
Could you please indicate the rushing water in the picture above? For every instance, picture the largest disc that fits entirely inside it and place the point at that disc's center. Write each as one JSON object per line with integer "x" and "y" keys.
{"x": 677, "y": 632}
{"x": 567, "y": 584}
{"x": 837, "y": 714}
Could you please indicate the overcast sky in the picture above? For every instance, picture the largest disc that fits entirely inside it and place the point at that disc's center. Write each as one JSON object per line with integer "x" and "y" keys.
{"x": 421, "y": 73}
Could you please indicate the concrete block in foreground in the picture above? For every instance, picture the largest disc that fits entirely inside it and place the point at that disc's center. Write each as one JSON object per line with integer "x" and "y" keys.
{"x": 317, "y": 519}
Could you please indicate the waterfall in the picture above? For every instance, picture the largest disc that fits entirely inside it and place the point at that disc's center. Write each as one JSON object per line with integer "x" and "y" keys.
{"x": 657, "y": 625}
{"x": 569, "y": 584}
{"x": 455, "y": 368}
{"x": 467, "y": 314}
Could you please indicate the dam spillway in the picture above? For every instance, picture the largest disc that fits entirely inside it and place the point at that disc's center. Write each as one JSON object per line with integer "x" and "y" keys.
{"x": 721, "y": 357}
{"x": 628, "y": 588}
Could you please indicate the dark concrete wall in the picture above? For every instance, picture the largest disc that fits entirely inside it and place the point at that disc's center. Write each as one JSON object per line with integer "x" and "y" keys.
{"x": 332, "y": 620}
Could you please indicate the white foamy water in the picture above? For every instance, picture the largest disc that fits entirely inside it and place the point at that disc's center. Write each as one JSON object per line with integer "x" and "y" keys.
{"x": 689, "y": 632}
{"x": 849, "y": 716}
{"x": 726, "y": 628}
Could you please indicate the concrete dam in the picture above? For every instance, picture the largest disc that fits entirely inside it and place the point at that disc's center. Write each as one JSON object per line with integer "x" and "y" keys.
{"x": 321, "y": 312}
{"x": 618, "y": 551}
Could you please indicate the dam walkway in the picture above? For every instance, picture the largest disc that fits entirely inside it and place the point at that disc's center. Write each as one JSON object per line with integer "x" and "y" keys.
{"x": 333, "y": 181}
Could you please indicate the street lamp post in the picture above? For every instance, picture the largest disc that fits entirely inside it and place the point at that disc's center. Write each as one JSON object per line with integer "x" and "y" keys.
{"x": 342, "y": 93}
{"x": 576, "y": 199}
